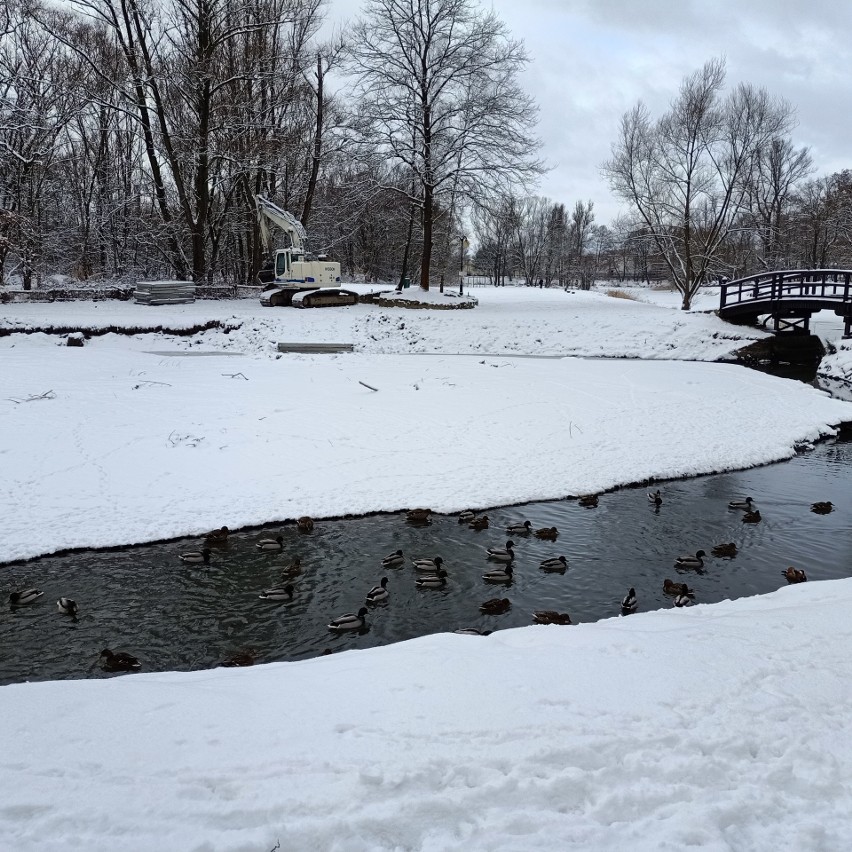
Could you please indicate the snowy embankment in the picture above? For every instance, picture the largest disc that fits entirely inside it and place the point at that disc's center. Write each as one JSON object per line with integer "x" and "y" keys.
{"x": 136, "y": 442}
{"x": 719, "y": 727}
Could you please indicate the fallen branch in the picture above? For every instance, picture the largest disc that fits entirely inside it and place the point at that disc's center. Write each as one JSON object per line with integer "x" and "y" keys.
{"x": 46, "y": 395}
{"x": 368, "y": 386}
{"x": 235, "y": 376}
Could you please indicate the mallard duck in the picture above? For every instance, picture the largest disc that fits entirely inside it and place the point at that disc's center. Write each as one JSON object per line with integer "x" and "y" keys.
{"x": 219, "y": 536}
{"x": 292, "y": 570}
{"x": 496, "y": 606}
{"x": 691, "y": 561}
{"x": 120, "y": 661}
{"x": 499, "y": 575}
{"x": 276, "y": 543}
{"x": 547, "y": 533}
{"x": 795, "y": 575}
{"x": 672, "y": 588}
{"x": 67, "y": 606}
{"x": 550, "y": 616}
{"x": 350, "y": 621}
{"x": 747, "y": 504}
{"x": 305, "y": 524}
{"x": 655, "y": 497}
{"x": 279, "y": 593}
{"x": 393, "y": 560}
{"x": 822, "y": 508}
{"x": 427, "y": 566}
{"x": 472, "y": 631}
{"x": 238, "y": 659}
{"x": 752, "y": 517}
{"x": 520, "y": 528}
{"x": 419, "y": 516}
{"x": 379, "y": 593}
{"x": 502, "y": 554}
{"x": 729, "y": 550}
{"x": 682, "y": 600}
{"x": 24, "y": 597}
{"x": 466, "y": 516}
{"x": 629, "y": 602}
{"x": 557, "y": 563}
{"x": 195, "y": 557}
{"x": 432, "y": 581}
{"x": 480, "y": 523}
{"x": 590, "y": 501}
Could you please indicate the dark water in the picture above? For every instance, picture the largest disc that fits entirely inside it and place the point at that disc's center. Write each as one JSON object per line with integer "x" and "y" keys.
{"x": 178, "y": 617}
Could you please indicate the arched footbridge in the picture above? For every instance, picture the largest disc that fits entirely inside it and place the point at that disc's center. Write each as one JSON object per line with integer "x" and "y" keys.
{"x": 790, "y": 297}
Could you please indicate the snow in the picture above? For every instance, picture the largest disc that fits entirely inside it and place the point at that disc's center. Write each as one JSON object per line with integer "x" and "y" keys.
{"x": 720, "y": 727}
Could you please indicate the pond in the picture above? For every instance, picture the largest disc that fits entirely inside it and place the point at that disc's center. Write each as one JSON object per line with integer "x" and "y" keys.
{"x": 174, "y": 616}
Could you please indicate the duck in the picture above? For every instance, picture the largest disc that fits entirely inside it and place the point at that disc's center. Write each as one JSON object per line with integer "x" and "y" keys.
{"x": 428, "y": 566}
{"x": 276, "y": 543}
{"x": 238, "y": 659}
{"x": 67, "y": 606}
{"x": 393, "y": 560}
{"x": 379, "y": 593}
{"x": 752, "y": 517}
{"x": 502, "y": 554}
{"x": 292, "y": 570}
{"x": 472, "y": 631}
{"x": 682, "y": 600}
{"x": 672, "y": 588}
{"x": 24, "y": 597}
{"x": 499, "y": 575}
{"x": 305, "y": 524}
{"x": 729, "y": 549}
{"x": 496, "y": 606}
{"x": 279, "y": 593}
{"x": 551, "y": 616}
{"x": 696, "y": 561}
{"x": 219, "y": 536}
{"x": 120, "y": 661}
{"x": 480, "y": 523}
{"x": 350, "y": 621}
{"x": 590, "y": 501}
{"x": 466, "y": 516}
{"x": 795, "y": 575}
{"x": 547, "y": 533}
{"x": 195, "y": 557}
{"x": 419, "y": 516}
{"x": 520, "y": 528}
{"x": 822, "y": 508}
{"x": 557, "y": 563}
{"x": 655, "y": 497}
{"x": 747, "y": 504}
{"x": 432, "y": 581}
{"x": 629, "y": 603}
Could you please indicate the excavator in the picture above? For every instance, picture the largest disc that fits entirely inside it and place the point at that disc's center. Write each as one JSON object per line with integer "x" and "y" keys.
{"x": 292, "y": 275}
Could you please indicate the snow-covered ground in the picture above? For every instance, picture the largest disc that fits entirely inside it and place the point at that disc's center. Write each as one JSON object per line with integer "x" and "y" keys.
{"x": 721, "y": 727}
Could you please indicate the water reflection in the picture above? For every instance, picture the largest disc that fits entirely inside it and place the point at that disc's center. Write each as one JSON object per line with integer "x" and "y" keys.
{"x": 175, "y": 616}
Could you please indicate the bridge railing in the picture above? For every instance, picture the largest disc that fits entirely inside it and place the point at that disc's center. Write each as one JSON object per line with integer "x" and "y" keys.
{"x": 822, "y": 284}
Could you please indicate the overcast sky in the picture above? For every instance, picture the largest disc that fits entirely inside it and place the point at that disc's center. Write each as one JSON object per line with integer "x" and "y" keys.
{"x": 591, "y": 60}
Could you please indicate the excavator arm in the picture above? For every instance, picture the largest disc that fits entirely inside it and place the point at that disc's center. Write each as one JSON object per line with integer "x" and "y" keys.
{"x": 269, "y": 213}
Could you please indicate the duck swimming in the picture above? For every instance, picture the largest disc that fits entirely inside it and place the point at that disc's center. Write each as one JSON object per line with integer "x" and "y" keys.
{"x": 350, "y": 621}
{"x": 480, "y": 523}
{"x": 752, "y": 517}
{"x": 427, "y": 566}
{"x": 279, "y": 593}
{"x": 219, "y": 536}
{"x": 379, "y": 593}
{"x": 120, "y": 661}
{"x": 393, "y": 560}
{"x": 629, "y": 603}
{"x": 495, "y": 606}
{"x": 557, "y": 563}
{"x": 691, "y": 561}
{"x": 502, "y": 554}
{"x": 292, "y": 570}
{"x": 419, "y": 516}
{"x": 520, "y": 528}
{"x": 672, "y": 588}
{"x": 822, "y": 508}
{"x": 590, "y": 501}
{"x": 195, "y": 557}
{"x": 728, "y": 550}
{"x": 276, "y": 543}
{"x": 682, "y": 600}
{"x": 466, "y": 516}
{"x": 67, "y": 606}
{"x": 655, "y": 497}
{"x": 499, "y": 575}
{"x": 795, "y": 575}
{"x": 305, "y": 524}
{"x": 747, "y": 504}
{"x": 472, "y": 631}
{"x": 547, "y": 533}
{"x": 25, "y": 597}
{"x": 432, "y": 581}
{"x": 551, "y": 616}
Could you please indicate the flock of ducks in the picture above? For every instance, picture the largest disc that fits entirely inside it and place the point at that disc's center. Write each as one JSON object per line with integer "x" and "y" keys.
{"x": 430, "y": 573}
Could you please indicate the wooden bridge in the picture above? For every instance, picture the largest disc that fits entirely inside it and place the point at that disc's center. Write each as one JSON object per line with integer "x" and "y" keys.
{"x": 790, "y": 297}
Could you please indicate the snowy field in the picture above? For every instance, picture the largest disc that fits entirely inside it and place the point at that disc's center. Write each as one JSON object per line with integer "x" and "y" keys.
{"x": 718, "y": 727}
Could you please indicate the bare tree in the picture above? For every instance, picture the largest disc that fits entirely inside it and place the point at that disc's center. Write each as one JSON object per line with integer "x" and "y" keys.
{"x": 438, "y": 93}
{"x": 686, "y": 174}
